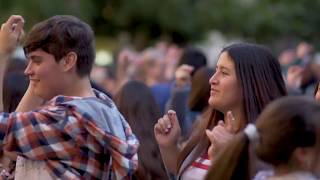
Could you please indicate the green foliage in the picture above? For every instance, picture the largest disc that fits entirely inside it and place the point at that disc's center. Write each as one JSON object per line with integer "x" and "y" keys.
{"x": 259, "y": 20}
{"x": 37, "y": 10}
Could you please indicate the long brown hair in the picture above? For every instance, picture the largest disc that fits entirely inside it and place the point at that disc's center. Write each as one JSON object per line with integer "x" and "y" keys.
{"x": 316, "y": 89}
{"x": 286, "y": 124}
{"x": 200, "y": 89}
{"x": 15, "y": 84}
{"x": 261, "y": 81}
{"x": 137, "y": 104}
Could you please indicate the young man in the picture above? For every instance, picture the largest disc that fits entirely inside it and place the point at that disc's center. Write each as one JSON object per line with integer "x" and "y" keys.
{"x": 78, "y": 132}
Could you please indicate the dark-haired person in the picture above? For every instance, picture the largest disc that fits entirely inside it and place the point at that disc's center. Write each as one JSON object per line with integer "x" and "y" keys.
{"x": 190, "y": 61}
{"x": 78, "y": 132}
{"x": 136, "y": 103}
{"x": 197, "y": 102}
{"x": 15, "y": 84}
{"x": 247, "y": 78}
{"x": 285, "y": 135}
{"x": 317, "y": 92}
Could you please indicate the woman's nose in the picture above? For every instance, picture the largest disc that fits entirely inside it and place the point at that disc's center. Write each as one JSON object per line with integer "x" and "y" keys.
{"x": 213, "y": 79}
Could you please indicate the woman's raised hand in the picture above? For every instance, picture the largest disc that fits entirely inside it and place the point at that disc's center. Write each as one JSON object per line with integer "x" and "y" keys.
{"x": 221, "y": 134}
{"x": 167, "y": 130}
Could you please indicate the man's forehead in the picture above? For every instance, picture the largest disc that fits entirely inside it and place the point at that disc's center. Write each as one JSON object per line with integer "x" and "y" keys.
{"x": 36, "y": 53}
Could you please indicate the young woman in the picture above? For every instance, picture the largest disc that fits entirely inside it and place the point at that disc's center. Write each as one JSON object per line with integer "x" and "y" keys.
{"x": 247, "y": 78}
{"x": 286, "y": 135}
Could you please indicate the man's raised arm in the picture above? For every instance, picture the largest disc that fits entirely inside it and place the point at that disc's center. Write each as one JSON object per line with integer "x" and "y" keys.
{"x": 10, "y": 34}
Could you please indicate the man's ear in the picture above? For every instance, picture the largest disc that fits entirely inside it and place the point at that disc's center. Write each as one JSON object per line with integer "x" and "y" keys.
{"x": 69, "y": 61}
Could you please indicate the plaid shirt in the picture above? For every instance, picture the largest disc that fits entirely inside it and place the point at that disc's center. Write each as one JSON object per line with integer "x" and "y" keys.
{"x": 70, "y": 142}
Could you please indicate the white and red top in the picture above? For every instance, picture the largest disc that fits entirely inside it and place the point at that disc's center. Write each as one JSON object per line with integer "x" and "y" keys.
{"x": 198, "y": 169}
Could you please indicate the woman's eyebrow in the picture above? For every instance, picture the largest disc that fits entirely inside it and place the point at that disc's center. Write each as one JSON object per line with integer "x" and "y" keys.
{"x": 223, "y": 68}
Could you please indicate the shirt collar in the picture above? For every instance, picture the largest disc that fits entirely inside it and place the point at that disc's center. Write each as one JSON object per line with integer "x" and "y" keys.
{"x": 61, "y": 98}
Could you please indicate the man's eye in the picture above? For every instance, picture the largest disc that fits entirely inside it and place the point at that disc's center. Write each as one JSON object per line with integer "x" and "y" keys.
{"x": 37, "y": 61}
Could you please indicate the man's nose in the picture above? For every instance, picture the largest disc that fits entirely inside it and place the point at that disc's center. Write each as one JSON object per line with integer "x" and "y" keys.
{"x": 28, "y": 70}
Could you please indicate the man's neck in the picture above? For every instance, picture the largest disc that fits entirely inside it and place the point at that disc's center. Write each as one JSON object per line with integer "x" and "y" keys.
{"x": 79, "y": 88}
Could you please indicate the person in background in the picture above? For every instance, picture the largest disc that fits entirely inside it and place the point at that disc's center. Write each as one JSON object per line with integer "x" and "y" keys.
{"x": 15, "y": 84}
{"x": 137, "y": 104}
{"x": 191, "y": 60}
{"x": 317, "y": 92}
{"x": 197, "y": 102}
{"x": 193, "y": 57}
{"x": 286, "y": 135}
{"x": 301, "y": 73}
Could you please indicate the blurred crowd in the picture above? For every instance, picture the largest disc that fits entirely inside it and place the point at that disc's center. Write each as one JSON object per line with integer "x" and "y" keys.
{"x": 193, "y": 121}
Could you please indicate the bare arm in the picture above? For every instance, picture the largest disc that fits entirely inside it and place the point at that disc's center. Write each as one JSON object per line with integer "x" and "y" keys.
{"x": 3, "y": 64}
{"x": 29, "y": 101}
{"x": 122, "y": 68}
{"x": 170, "y": 158}
{"x": 167, "y": 132}
{"x": 10, "y": 34}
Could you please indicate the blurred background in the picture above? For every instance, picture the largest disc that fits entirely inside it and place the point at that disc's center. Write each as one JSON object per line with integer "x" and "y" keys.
{"x": 141, "y": 22}
{"x": 171, "y": 25}
{"x": 155, "y": 55}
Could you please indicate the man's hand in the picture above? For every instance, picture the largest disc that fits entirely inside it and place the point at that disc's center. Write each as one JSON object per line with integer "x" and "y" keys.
{"x": 10, "y": 34}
